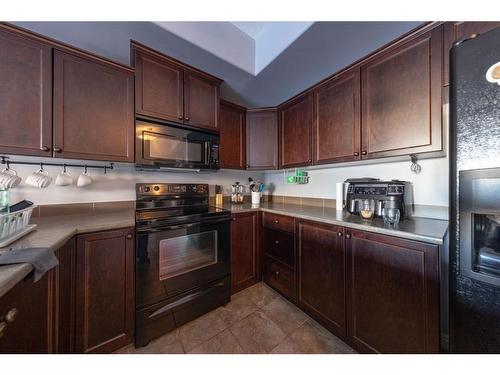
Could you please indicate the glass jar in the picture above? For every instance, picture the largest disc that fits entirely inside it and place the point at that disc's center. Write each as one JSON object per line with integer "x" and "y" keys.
{"x": 4, "y": 201}
{"x": 367, "y": 208}
{"x": 236, "y": 193}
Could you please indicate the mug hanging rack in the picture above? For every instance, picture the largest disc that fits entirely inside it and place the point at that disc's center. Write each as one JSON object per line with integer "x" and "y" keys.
{"x": 6, "y": 160}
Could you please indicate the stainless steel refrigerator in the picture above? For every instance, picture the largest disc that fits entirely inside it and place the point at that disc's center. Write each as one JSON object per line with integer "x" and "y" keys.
{"x": 475, "y": 195}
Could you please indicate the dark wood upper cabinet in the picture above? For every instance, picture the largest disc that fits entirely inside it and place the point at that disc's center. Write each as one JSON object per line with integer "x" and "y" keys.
{"x": 201, "y": 101}
{"x": 454, "y": 31}
{"x": 93, "y": 109}
{"x": 336, "y": 129}
{"x": 104, "y": 291}
{"x": 169, "y": 90}
{"x": 262, "y": 138}
{"x": 25, "y": 95}
{"x": 158, "y": 87}
{"x": 393, "y": 298}
{"x": 321, "y": 272}
{"x": 296, "y": 121}
{"x": 232, "y": 136}
{"x": 245, "y": 257}
{"x": 402, "y": 98}
{"x": 26, "y": 316}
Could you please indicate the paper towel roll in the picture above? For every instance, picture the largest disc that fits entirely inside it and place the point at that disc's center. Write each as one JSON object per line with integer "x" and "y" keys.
{"x": 339, "y": 186}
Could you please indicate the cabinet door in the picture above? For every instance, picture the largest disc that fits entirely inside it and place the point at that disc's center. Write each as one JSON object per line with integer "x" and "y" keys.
{"x": 244, "y": 250}
{"x": 336, "y": 131}
{"x": 25, "y": 95}
{"x": 64, "y": 298}
{"x": 262, "y": 139}
{"x": 201, "y": 101}
{"x": 26, "y": 316}
{"x": 158, "y": 88}
{"x": 454, "y": 31}
{"x": 104, "y": 291}
{"x": 393, "y": 294}
{"x": 321, "y": 273}
{"x": 232, "y": 137}
{"x": 296, "y": 121}
{"x": 93, "y": 110}
{"x": 401, "y": 98}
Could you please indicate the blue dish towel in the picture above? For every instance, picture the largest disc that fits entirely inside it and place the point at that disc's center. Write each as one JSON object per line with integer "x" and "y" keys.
{"x": 41, "y": 258}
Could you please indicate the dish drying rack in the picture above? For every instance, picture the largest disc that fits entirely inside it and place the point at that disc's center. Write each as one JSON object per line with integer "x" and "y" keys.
{"x": 15, "y": 225}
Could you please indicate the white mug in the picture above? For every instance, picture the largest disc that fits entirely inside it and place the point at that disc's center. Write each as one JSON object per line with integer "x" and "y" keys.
{"x": 84, "y": 180}
{"x": 39, "y": 179}
{"x": 9, "y": 179}
{"x": 63, "y": 179}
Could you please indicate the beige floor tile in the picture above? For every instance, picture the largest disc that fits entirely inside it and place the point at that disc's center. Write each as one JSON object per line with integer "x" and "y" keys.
{"x": 257, "y": 333}
{"x": 166, "y": 344}
{"x": 222, "y": 343}
{"x": 287, "y": 316}
{"x": 236, "y": 310}
{"x": 259, "y": 294}
{"x": 310, "y": 338}
{"x": 200, "y": 330}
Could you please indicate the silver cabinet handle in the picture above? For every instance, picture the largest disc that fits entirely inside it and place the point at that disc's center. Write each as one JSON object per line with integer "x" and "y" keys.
{"x": 277, "y": 242}
{"x": 10, "y": 317}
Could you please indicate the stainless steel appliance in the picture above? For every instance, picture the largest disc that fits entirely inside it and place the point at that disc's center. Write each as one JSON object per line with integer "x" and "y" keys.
{"x": 475, "y": 195}
{"x": 390, "y": 194}
{"x": 182, "y": 257}
{"x": 163, "y": 145}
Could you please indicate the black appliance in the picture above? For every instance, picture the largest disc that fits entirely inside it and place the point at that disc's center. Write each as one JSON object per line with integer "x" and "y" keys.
{"x": 393, "y": 194}
{"x": 475, "y": 195}
{"x": 182, "y": 257}
{"x": 163, "y": 145}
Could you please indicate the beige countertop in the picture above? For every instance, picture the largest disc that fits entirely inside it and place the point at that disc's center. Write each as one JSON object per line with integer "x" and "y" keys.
{"x": 55, "y": 231}
{"x": 414, "y": 228}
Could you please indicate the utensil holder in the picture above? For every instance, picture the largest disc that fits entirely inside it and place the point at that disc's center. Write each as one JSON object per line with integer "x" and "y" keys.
{"x": 256, "y": 197}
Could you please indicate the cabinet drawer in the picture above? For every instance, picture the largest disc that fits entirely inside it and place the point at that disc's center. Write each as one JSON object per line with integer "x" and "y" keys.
{"x": 280, "y": 246}
{"x": 280, "y": 222}
{"x": 279, "y": 277}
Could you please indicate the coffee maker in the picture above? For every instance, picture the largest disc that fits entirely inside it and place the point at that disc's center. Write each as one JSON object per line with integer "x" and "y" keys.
{"x": 391, "y": 194}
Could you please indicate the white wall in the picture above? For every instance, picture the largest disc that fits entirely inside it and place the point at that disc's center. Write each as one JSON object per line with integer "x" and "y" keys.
{"x": 117, "y": 185}
{"x": 430, "y": 187}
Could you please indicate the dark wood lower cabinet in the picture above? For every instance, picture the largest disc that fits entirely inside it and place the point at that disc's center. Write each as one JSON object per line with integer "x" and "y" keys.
{"x": 26, "y": 317}
{"x": 245, "y": 257}
{"x": 104, "y": 291}
{"x": 321, "y": 270}
{"x": 393, "y": 294}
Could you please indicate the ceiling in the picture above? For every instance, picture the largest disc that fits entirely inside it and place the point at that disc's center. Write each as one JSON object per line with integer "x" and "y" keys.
{"x": 305, "y": 55}
{"x": 250, "y": 46}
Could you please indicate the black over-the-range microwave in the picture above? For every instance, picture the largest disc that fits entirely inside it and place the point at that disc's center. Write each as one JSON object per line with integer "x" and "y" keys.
{"x": 165, "y": 145}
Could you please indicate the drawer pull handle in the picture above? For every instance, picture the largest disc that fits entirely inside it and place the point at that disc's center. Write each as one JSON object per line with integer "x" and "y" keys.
{"x": 277, "y": 242}
{"x": 129, "y": 236}
{"x": 276, "y": 221}
{"x": 347, "y": 236}
{"x": 277, "y": 273}
{"x": 3, "y": 327}
{"x": 339, "y": 234}
{"x": 10, "y": 317}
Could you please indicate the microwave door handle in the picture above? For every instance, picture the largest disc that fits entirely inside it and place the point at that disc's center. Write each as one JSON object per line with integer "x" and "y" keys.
{"x": 207, "y": 154}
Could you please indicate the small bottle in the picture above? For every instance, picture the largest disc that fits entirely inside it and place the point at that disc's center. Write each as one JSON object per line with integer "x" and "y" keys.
{"x": 4, "y": 201}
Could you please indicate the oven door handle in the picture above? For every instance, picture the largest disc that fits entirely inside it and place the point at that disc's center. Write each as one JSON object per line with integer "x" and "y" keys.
{"x": 181, "y": 226}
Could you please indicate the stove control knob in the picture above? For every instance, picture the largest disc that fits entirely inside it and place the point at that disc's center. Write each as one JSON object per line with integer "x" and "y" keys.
{"x": 146, "y": 189}
{"x": 156, "y": 188}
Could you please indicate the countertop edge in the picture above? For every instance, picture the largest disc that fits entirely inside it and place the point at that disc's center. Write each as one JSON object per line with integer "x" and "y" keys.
{"x": 397, "y": 234}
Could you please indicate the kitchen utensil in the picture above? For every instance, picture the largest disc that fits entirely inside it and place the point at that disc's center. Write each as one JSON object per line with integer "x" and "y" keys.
{"x": 39, "y": 179}
{"x": 9, "y": 178}
{"x": 84, "y": 179}
{"x": 21, "y": 205}
{"x": 391, "y": 215}
{"x": 367, "y": 208}
{"x": 63, "y": 178}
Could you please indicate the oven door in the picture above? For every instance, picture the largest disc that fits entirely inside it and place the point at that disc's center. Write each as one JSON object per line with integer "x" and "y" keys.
{"x": 173, "y": 259}
{"x": 160, "y": 145}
